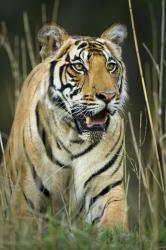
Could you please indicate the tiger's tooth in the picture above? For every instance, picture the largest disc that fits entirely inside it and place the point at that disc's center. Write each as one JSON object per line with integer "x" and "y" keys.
{"x": 88, "y": 120}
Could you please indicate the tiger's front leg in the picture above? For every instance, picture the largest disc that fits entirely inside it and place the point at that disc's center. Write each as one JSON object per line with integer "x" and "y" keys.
{"x": 108, "y": 209}
{"x": 99, "y": 182}
{"x": 32, "y": 197}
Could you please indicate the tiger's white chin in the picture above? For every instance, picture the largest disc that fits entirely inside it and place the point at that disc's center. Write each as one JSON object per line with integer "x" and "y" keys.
{"x": 95, "y": 129}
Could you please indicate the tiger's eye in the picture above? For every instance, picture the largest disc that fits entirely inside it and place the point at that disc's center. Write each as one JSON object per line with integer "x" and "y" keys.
{"x": 78, "y": 66}
{"x": 112, "y": 67}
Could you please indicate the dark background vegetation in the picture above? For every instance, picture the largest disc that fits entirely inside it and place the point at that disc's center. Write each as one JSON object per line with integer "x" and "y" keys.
{"x": 86, "y": 17}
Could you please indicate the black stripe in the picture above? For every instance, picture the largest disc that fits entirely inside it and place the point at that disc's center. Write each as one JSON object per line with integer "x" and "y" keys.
{"x": 105, "y": 191}
{"x": 107, "y": 124}
{"x": 39, "y": 183}
{"x": 59, "y": 102}
{"x": 79, "y": 141}
{"x": 99, "y": 217}
{"x": 37, "y": 117}
{"x": 67, "y": 85}
{"x": 46, "y": 144}
{"x": 79, "y": 56}
{"x": 77, "y": 42}
{"x": 58, "y": 146}
{"x": 83, "y": 45}
{"x": 100, "y": 43}
{"x": 60, "y": 164}
{"x": 63, "y": 146}
{"x": 69, "y": 123}
{"x": 6, "y": 199}
{"x": 97, "y": 50}
{"x": 60, "y": 76}
{"x": 79, "y": 131}
{"x": 96, "y": 47}
{"x": 29, "y": 202}
{"x": 89, "y": 104}
{"x": 117, "y": 168}
{"x": 56, "y": 99}
{"x": 68, "y": 58}
{"x": 120, "y": 87}
{"x": 9, "y": 183}
{"x": 76, "y": 58}
{"x": 71, "y": 76}
{"x": 44, "y": 190}
{"x": 85, "y": 151}
{"x": 37, "y": 179}
{"x": 115, "y": 144}
{"x": 80, "y": 211}
{"x": 40, "y": 128}
{"x": 52, "y": 67}
{"x": 106, "y": 166}
{"x": 121, "y": 81}
{"x": 75, "y": 92}
{"x": 52, "y": 158}
{"x": 42, "y": 132}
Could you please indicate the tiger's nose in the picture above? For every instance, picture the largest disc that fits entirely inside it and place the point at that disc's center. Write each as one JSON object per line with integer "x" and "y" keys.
{"x": 106, "y": 97}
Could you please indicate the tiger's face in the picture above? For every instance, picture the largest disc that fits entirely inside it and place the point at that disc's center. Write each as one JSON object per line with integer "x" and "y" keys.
{"x": 88, "y": 79}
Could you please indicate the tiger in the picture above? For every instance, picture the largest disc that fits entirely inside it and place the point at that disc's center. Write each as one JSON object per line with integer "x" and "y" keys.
{"x": 66, "y": 144}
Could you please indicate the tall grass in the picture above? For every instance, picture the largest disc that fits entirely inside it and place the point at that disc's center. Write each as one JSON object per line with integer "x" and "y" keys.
{"x": 156, "y": 167}
{"x": 51, "y": 233}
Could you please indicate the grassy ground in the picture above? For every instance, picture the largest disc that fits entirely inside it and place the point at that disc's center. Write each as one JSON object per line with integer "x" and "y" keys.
{"x": 50, "y": 235}
{"x": 150, "y": 174}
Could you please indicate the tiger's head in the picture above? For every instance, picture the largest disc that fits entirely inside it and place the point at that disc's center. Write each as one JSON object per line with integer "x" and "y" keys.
{"x": 87, "y": 75}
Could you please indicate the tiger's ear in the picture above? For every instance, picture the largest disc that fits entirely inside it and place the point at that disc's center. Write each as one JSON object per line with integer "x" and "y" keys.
{"x": 116, "y": 34}
{"x": 51, "y": 38}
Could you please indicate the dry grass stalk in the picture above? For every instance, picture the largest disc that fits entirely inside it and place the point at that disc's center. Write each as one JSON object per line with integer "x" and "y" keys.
{"x": 145, "y": 94}
{"x": 16, "y": 55}
{"x": 29, "y": 40}
{"x": 161, "y": 96}
{"x": 3, "y": 177}
{"x": 140, "y": 163}
{"x": 13, "y": 61}
{"x": 159, "y": 179}
{"x": 161, "y": 59}
{"x": 156, "y": 66}
{"x": 55, "y": 11}
{"x": 44, "y": 13}
{"x": 24, "y": 59}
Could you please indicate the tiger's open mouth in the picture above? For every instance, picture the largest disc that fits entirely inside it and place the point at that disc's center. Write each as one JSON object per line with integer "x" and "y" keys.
{"x": 98, "y": 122}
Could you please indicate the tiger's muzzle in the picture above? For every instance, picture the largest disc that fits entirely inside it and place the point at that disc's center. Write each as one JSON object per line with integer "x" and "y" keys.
{"x": 88, "y": 121}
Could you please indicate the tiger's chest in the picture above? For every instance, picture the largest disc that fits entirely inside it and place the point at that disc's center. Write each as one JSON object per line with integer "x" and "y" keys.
{"x": 94, "y": 160}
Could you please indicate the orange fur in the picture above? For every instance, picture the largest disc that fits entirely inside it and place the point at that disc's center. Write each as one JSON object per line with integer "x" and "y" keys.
{"x": 44, "y": 161}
